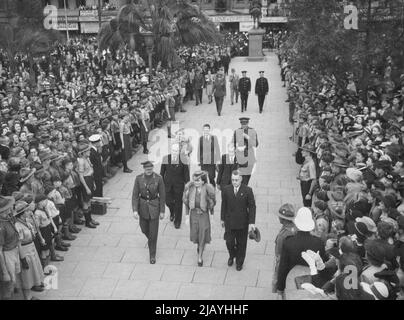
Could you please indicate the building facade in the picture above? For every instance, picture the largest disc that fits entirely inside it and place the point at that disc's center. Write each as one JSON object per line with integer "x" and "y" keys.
{"x": 83, "y": 16}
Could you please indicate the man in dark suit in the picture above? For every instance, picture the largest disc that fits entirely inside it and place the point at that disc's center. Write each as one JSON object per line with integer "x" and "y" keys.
{"x": 291, "y": 252}
{"x": 208, "y": 153}
{"x": 226, "y": 167}
{"x": 238, "y": 218}
{"x": 261, "y": 89}
{"x": 148, "y": 205}
{"x": 175, "y": 173}
{"x": 244, "y": 87}
{"x": 96, "y": 161}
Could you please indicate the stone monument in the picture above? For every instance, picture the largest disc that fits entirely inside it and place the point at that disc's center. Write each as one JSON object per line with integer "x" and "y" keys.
{"x": 255, "y": 35}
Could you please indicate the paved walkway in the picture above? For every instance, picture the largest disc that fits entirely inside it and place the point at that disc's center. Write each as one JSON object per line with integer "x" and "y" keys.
{"x": 111, "y": 262}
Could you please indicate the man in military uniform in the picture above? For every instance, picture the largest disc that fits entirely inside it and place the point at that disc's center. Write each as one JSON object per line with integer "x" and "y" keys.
{"x": 148, "y": 205}
{"x": 261, "y": 90}
{"x": 286, "y": 216}
{"x": 245, "y": 140}
{"x": 244, "y": 87}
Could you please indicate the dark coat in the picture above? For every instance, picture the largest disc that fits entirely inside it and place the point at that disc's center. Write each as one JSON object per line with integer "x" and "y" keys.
{"x": 261, "y": 86}
{"x": 175, "y": 175}
{"x": 237, "y": 212}
{"x": 149, "y": 199}
{"x": 291, "y": 254}
{"x": 4, "y": 152}
{"x": 96, "y": 161}
{"x": 244, "y": 85}
{"x": 208, "y": 151}
{"x": 199, "y": 81}
{"x": 225, "y": 170}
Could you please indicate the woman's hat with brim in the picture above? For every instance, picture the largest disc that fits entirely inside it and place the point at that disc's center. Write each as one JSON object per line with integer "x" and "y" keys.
{"x": 255, "y": 235}
{"x": 20, "y": 207}
{"x": 6, "y": 203}
{"x": 26, "y": 173}
{"x": 304, "y": 220}
{"x": 287, "y": 212}
{"x": 308, "y": 147}
{"x": 370, "y": 224}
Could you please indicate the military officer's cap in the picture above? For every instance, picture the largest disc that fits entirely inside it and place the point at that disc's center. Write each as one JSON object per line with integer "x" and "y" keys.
{"x": 244, "y": 71}
{"x": 261, "y": 72}
{"x": 147, "y": 164}
{"x": 244, "y": 120}
{"x": 95, "y": 138}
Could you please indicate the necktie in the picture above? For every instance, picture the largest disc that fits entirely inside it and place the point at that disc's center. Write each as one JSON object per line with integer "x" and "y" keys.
{"x": 235, "y": 191}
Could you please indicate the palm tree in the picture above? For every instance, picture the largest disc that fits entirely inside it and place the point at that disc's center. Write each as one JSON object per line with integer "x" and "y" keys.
{"x": 174, "y": 23}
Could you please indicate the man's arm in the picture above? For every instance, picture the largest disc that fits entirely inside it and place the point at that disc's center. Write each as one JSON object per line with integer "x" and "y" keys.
{"x": 256, "y": 86}
{"x": 216, "y": 149}
{"x": 220, "y": 172}
{"x": 163, "y": 167}
{"x": 249, "y": 85}
{"x": 162, "y": 195}
{"x": 284, "y": 267}
{"x": 186, "y": 173}
{"x": 224, "y": 206}
{"x": 251, "y": 206}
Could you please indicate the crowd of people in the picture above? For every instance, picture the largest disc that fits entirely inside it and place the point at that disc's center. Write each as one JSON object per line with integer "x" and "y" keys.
{"x": 69, "y": 121}
{"x": 351, "y": 152}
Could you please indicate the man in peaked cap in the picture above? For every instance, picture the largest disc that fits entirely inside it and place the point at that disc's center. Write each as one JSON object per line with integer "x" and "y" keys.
{"x": 244, "y": 87}
{"x": 148, "y": 204}
{"x": 245, "y": 141}
{"x": 96, "y": 161}
{"x": 261, "y": 90}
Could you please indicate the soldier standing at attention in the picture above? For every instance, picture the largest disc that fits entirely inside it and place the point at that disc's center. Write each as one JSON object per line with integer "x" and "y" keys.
{"x": 245, "y": 141}
{"x": 148, "y": 205}
{"x": 244, "y": 87}
{"x": 261, "y": 90}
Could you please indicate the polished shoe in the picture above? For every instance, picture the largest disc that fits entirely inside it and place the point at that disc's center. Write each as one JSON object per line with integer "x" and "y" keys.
{"x": 146, "y": 151}
{"x": 95, "y": 222}
{"x": 200, "y": 263}
{"x": 152, "y": 260}
{"x": 61, "y": 248}
{"x": 183, "y": 110}
{"x": 177, "y": 226}
{"x": 90, "y": 225}
{"x": 78, "y": 222}
{"x": 230, "y": 262}
{"x": 69, "y": 237}
{"x": 239, "y": 267}
{"x": 74, "y": 229}
{"x": 57, "y": 258}
{"x": 127, "y": 170}
{"x": 65, "y": 244}
{"x": 37, "y": 288}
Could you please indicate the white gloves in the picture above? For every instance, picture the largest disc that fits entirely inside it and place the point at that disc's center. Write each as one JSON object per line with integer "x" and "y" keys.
{"x": 314, "y": 261}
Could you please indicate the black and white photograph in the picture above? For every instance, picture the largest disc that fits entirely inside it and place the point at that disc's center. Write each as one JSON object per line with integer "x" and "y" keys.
{"x": 214, "y": 151}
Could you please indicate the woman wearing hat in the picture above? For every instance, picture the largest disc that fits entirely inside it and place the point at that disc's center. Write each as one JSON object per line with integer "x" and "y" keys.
{"x": 199, "y": 199}
{"x": 86, "y": 171}
{"x": 32, "y": 275}
{"x": 307, "y": 175}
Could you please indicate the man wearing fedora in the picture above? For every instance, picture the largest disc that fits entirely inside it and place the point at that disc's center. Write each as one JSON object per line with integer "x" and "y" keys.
{"x": 238, "y": 218}
{"x": 261, "y": 90}
{"x": 9, "y": 254}
{"x": 291, "y": 252}
{"x": 148, "y": 205}
{"x": 286, "y": 216}
{"x": 307, "y": 174}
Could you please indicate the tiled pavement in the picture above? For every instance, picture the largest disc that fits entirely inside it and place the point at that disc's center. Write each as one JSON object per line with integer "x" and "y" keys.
{"x": 111, "y": 262}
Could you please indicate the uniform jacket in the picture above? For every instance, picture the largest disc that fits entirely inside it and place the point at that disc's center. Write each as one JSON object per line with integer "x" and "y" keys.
{"x": 96, "y": 161}
{"x": 238, "y": 211}
{"x": 291, "y": 254}
{"x": 208, "y": 151}
{"x": 261, "y": 86}
{"x": 219, "y": 87}
{"x": 149, "y": 199}
{"x": 225, "y": 170}
{"x": 244, "y": 85}
{"x": 199, "y": 81}
{"x": 175, "y": 175}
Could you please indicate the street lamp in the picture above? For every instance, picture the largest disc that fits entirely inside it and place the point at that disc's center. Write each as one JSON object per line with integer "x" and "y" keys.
{"x": 149, "y": 42}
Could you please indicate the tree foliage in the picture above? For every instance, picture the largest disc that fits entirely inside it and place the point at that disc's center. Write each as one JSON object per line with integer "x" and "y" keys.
{"x": 321, "y": 45}
{"x": 173, "y": 23}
